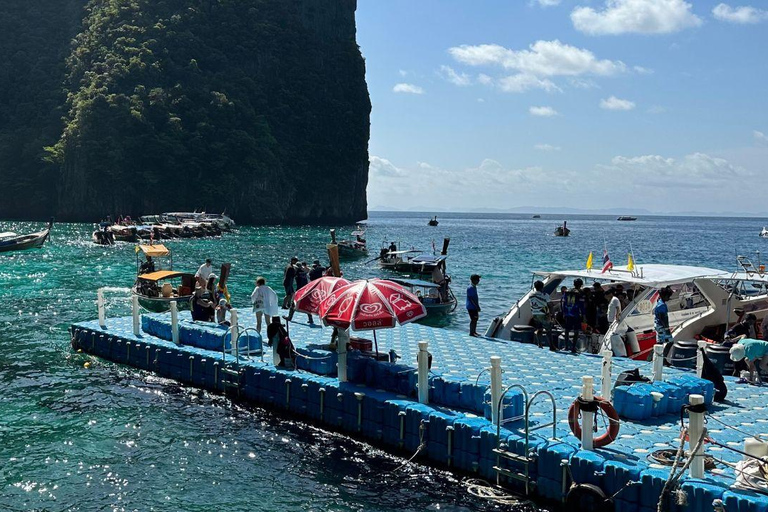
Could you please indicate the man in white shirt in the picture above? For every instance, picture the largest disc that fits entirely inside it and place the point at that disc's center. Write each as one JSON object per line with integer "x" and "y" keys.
{"x": 614, "y": 306}
{"x": 204, "y": 271}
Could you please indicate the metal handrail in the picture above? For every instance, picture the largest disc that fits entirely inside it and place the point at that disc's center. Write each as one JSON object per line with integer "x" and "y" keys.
{"x": 236, "y": 346}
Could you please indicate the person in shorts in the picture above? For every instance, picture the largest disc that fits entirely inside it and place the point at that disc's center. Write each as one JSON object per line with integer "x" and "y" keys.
{"x": 541, "y": 319}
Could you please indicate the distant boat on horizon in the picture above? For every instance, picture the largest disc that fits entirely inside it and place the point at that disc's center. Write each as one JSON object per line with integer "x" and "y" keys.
{"x": 536, "y": 216}
{"x": 626, "y": 217}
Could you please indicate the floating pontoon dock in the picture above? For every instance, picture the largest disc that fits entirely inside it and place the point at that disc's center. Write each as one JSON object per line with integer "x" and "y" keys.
{"x": 380, "y": 403}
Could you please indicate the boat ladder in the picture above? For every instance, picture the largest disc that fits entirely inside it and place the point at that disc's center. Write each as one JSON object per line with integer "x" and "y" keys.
{"x": 528, "y": 457}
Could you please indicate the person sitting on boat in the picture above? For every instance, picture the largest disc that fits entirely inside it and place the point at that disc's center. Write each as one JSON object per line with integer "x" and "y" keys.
{"x": 202, "y": 305}
{"x": 276, "y": 334}
{"x": 755, "y": 355}
{"x": 746, "y": 327}
{"x": 661, "y": 316}
{"x": 221, "y": 312}
{"x": 204, "y": 272}
{"x": 542, "y": 315}
{"x": 573, "y": 308}
{"x": 317, "y": 271}
{"x": 148, "y": 266}
{"x": 264, "y": 300}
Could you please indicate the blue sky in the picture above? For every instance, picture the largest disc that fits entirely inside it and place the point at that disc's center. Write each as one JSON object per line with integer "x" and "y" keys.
{"x": 657, "y": 104}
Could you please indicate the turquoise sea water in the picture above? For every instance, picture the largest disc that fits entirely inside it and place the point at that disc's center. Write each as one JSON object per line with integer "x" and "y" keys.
{"x": 109, "y": 437}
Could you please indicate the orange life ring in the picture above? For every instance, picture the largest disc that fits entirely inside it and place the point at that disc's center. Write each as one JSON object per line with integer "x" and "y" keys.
{"x": 613, "y": 422}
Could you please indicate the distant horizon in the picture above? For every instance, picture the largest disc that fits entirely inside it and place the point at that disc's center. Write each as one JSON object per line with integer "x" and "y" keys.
{"x": 608, "y": 212}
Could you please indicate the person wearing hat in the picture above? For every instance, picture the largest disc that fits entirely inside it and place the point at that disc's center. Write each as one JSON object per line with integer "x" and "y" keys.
{"x": 753, "y": 352}
{"x": 221, "y": 312}
{"x": 317, "y": 271}
{"x": 289, "y": 275}
{"x": 473, "y": 304}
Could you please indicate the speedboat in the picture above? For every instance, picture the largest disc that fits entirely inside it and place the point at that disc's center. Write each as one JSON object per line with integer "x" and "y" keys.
{"x": 12, "y": 242}
{"x": 626, "y": 218}
{"x": 536, "y": 216}
{"x": 703, "y": 303}
{"x": 435, "y": 301}
{"x": 156, "y": 289}
{"x": 764, "y": 232}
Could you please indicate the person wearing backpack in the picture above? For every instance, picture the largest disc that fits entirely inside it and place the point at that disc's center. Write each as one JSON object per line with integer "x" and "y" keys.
{"x": 276, "y": 334}
{"x": 573, "y": 308}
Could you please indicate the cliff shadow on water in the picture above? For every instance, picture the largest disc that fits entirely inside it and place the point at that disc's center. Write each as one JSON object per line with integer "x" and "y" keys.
{"x": 256, "y": 107}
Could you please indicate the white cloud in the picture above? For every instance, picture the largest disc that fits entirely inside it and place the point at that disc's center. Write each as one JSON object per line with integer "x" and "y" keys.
{"x": 635, "y": 16}
{"x": 614, "y": 103}
{"x": 583, "y": 83}
{"x": 546, "y": 147}
{"x": 460, "y": 79}
{"x": 402, "y": 72}
{"x": 383, "y": 167}
{"x": 760, "y": 137}
{"x": 548, "y": 3}
{"x": 522, "y": 82}
{"x": 642, "y": 71}
{"x": 697, "y": 170}
{"x": 542, "y": 59}
{"x": 480, "y": 100}
{"x": 484, "y": 79}
{"x": 408, "y": 89}
{"x": 743, "y": 14}
{"x": 542, "y": 111}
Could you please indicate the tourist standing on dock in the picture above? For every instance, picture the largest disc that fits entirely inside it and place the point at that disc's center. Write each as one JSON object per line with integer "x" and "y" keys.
{"x": 317, "y": 271}
{"x": 276, "y": 333}
{"x": 661, "y": 316}
{"x": 542, "y": 317}
{"x": 573, "y": 308}
{"x": 302, "y": 279}
{"x": 473, "y": 304}
{"x": 288, "y": 277}
{"x": 204, "y": 272}
{"x": 264, "y": 300}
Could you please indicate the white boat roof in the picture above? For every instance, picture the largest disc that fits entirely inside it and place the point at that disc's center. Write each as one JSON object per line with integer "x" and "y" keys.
{"x": 745, "y": 276}
{"x": 409, "y": 251}
{"x": 646, "y": 275}
{"x": 8, "y": 234}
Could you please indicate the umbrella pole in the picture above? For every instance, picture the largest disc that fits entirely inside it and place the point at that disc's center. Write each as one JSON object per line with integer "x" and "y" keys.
{"x": 376, "y": 344}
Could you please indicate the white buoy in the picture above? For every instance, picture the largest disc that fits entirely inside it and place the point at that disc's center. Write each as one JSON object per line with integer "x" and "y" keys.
{"x": 135, "y": 314}
{"x": 605, "y": 376}
{"x": 175, "y": 322}
{"x": 235, "y": 332}
{"x": 658, "y": 363}
{"x": 700, "y": 357}
{"x": 634, "y": 345}
{"x": 695, "y": 430}
{"x": 341, "y": 350}
{"x": 495, "y": 389}
{"x": 423, "y": 369}
{"x": 588, "y": 418}
{"x": 102, "y": 311}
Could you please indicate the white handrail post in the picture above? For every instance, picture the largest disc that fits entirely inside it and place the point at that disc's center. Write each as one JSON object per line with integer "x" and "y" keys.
{"x": 700, "y": 357}
{"x": 588, "y": 421}
{"x": 175, "y": 322}
{"x": 135, "y": 314}
{"x": 102, "y": 311}
{"x": 423, "y": 368}
{"x": 605, "y": 377}
{"x": 658, "y": 362}
{"x": 695, "y": 431}
{"x": 341, "y": 349}
{"x": 235, "y": 332}
{"x": 495, "y": 388}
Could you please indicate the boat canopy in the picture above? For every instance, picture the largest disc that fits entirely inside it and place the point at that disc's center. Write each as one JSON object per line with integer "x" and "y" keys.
{"x": 653, "y": 275}
{"x": 154, "y": 250}
{"x": 409, "y": 251}
{"x": 8, "y": 234}
{"x": 160, "y": 274}
{"x": 413, "y": 283}
{"x": 743, "y": 276}
{"x": 429, "y": 259}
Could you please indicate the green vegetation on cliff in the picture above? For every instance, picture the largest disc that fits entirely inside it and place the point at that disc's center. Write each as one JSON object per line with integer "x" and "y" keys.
{"x": 256, "y": 107}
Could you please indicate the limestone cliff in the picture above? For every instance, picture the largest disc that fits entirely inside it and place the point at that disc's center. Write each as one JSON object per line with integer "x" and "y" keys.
{"x": 256, "y": 107}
